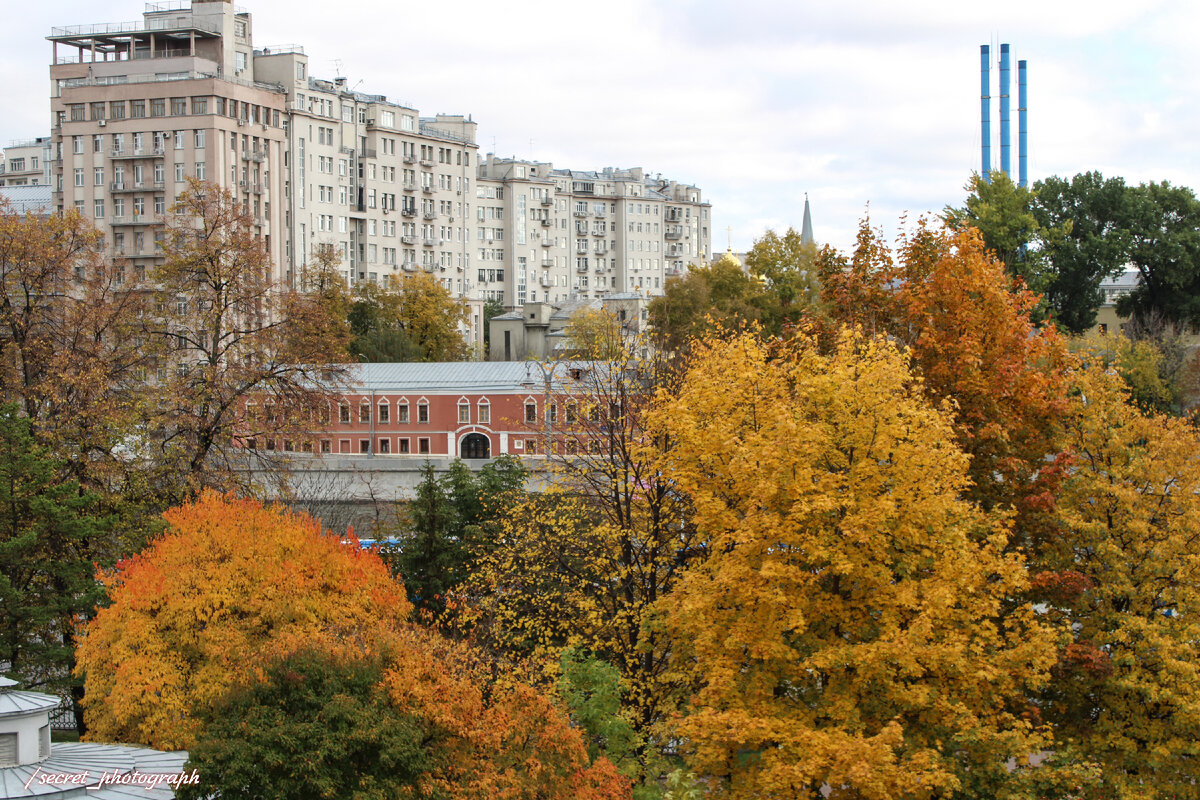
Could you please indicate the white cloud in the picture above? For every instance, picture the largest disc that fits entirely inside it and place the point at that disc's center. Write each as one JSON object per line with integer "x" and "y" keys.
{"x": 758, "y": 102}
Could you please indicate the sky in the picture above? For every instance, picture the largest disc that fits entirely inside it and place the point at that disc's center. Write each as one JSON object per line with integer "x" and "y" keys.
{"x": 868, "y": 108}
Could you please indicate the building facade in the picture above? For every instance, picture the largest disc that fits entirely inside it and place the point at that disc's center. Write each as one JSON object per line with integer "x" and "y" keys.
{"x": 137, "y": 108}
{"x": 27, "y": 163}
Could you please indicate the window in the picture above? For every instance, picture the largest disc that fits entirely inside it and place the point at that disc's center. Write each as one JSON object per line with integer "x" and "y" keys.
{"x": 79, "y": 176}
{"x": 179, "y": 138}
{"x": 199, "y": 140}
{"x": 199, "y": 105}
{"x": 99, "y": 208}
{"x": 423, "y": 446}
{"x": 551, "y": 412}
{"x": 98, "y": 176}
{"x": 402, "y": 412}
{"x": 158, "y": 107}
{"x": 78, "y": 112}
{"x": 344, "y": 413}
{"x": 137, "y": 108}
{"x": 98, "y": 143}
{"x": 530, "y": 411}
{"x": 423, "y": 414}
{"x": 117, "y": 109}
{"x": 464, "y": 413}
{"x": 485, "y": 412}
{"x": 178, "y": 106}
{"x": 385, "y": 446}
{"x": 364, "y": 413}
{"x": 239, "y": 61}
{"x": 180, "y": 175}
{"x": 364, "y": 445}
{"x": 326, "y": 446}
{"x": 77, "y": 144}
{"x": 384, "y": 408}
{"x": 402, "y": 445}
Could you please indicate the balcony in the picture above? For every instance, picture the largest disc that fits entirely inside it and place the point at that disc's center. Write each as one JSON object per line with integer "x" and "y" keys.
{"x": 140, "y": 152}
{"x": 408, "y": 239}
{"x": 546, "y": 223}
{"x": 427, "y": 190}
{"x": 601, "y": 248}
{"x": 581, "y": 249}
{"x": 410, "y": 159}
{"x": 409, "y": 187}
{"x": 254, "y": 155}
{"x": 425, "y": 162}
{"x": 601, "y": 212}
{"x": 408, "y": 212}
{"x": 547, "y": 262}
{"x": 546, "y": 281}
{"x": 430, "y": 215}
{"x": 127, "y": 186}
{"x": 599, "y": 233}
{"x": 430, "y": 242}
{"x": 547, "y": 243}
{"x": 579, "y": 213}
{"x": 139, "y": 219}
{"x": 582, "y": 269}
{"x": 408, "y": 266}
{"x": 547, "y": 201}
{"x": 672, "y": 233}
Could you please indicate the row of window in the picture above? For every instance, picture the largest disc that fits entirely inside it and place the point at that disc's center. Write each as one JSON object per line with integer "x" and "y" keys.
{"x": 402, "y": 415}
{"x": 178, "y": 106}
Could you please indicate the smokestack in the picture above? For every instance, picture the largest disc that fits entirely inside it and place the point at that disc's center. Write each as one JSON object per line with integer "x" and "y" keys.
{"x": 1005, "y": 133}
{"x": 985, "y": 104}
{"x": 1022, "y": 125}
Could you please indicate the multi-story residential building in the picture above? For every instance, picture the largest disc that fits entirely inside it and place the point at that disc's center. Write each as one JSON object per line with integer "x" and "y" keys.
{"x": 139, "y": 107}
{"x": 26, "y": 163}
{"x": 548, "y": 235}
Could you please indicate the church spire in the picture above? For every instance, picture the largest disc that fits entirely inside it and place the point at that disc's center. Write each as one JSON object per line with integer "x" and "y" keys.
{"x": 806, "y": 230}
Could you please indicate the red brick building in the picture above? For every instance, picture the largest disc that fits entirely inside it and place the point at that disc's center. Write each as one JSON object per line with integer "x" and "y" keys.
{"x": 470, "y": 410}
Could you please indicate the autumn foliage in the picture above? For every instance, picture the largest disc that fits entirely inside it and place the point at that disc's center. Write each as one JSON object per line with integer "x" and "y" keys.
{"x": 235, "y": 587}
{"x": 852, "y": 626}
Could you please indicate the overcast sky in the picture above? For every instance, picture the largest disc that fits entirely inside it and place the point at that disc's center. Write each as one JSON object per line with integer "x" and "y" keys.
{"x": 757, "y": 102}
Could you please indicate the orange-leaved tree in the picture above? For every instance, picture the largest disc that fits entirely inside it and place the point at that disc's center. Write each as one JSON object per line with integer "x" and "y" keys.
{"x": 853, "y": 627}
{"x": 230, "y": 582}
{"x": 237, "y": 596}
{"x": 971, "y": 338}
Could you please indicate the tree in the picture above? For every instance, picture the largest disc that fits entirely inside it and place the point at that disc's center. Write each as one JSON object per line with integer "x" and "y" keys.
{"x": 411, "y": 319}
{"x": 50, "y": 535}
{"x": 582, "y": 564}
{"x": 234, "y": 336}
{"x": 721, "y": 295}
{"x": 232, "y": 582}
{"x": 1125, "y": 581}
{"x": 1094, "y": 215}
{"x": 491, "y": 309}
{"x": 453, "y": 521}
{"x": 591, "y": 690}
{"x": 73, "y": 357}
{"x": 594, "y": 333}
{"x": 787, "y": 265}
{"x": 314, "y": 725}
{"x": 1003, "y": 213}
{"x": 973, "y": 341}
{"x": 1165, "y": 250}
{"x": 853, "y": 626}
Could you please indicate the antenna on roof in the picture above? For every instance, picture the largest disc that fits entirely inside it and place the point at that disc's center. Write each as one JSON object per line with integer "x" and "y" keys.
{"x": 337, "y": 66}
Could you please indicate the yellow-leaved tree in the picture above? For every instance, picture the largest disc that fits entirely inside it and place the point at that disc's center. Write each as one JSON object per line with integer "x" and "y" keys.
{"x": 853, "y": 629}
{"x": 1126, "y": 577}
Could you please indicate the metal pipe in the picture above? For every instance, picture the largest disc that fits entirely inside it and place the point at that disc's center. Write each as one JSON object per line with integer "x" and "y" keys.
{"x": 985, "y": 103}
{"x": 1005, "y": 132}
{"x": 1022, "y": 125}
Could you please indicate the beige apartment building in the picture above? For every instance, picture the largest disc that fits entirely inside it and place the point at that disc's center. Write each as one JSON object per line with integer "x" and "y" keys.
{"x": 550, "y": 235}
{"x": 138, "y": 107}
{"x": 27, "y": 163}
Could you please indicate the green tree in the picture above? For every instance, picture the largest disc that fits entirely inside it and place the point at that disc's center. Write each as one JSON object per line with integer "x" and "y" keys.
{"x": 1093, "y": 214}
{"x": 453, "y": 520}
{"x": 314, "y": 725}
{"x": 51, "y": 538}
{"x": 1165, "y": 250}
{"x": 491, "y": 309}
{"x": 1003, "y": 213}
{"x": 787, "y": 265}
{"x": 591, "y": 690}
{"x": 719, "y": 295}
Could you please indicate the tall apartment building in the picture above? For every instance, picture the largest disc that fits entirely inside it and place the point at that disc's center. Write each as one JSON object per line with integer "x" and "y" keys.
{"x": 547, "y": 235}
{"x": 27, "y": 163}
{"x": 138, "y": 107}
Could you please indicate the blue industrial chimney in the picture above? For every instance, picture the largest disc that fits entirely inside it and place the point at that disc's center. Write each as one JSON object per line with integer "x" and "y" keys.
{"x": 1005, "y": 133}
{"x": 1022, "y": 124}
{"x": 985, "y": 102}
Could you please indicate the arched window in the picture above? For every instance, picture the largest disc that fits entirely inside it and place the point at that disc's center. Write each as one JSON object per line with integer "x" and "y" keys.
{"x": 384, "y": 412}
{"x": 402, "y": 412}
{"x": 485, "y": 412}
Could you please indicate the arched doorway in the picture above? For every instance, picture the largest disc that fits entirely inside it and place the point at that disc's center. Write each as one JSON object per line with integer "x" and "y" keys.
{"x": 476, "y": 445}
